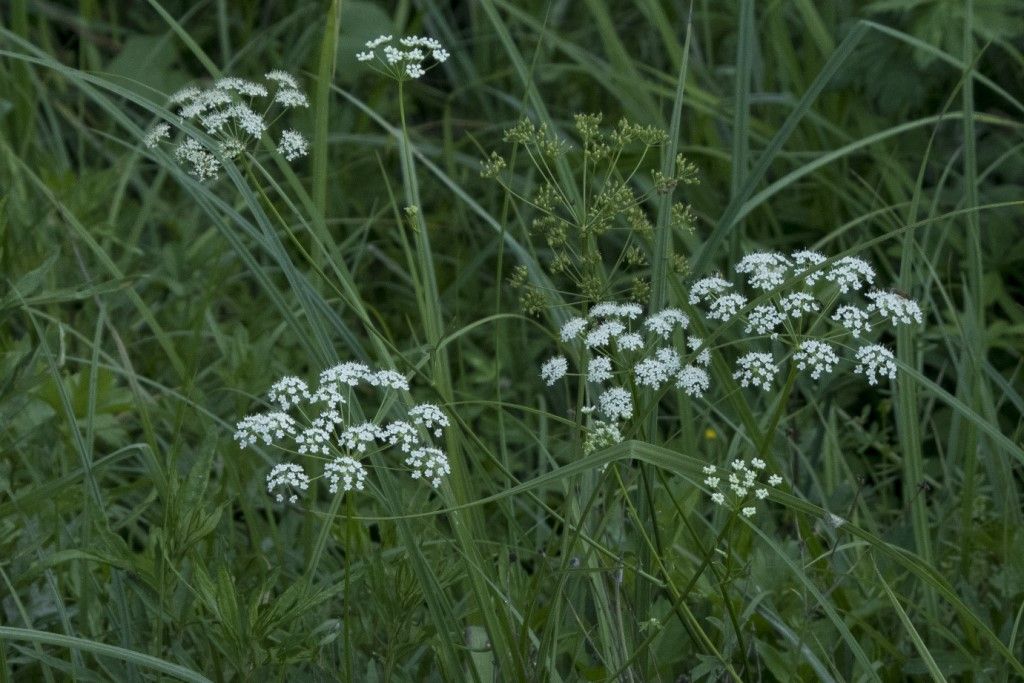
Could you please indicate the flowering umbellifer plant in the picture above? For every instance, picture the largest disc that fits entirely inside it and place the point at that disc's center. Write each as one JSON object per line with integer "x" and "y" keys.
{"x": 806, "y": 311}
{"x": 411, "y": 57}
{"x": 235, "y": 113}
{"x": 331, "y": 432}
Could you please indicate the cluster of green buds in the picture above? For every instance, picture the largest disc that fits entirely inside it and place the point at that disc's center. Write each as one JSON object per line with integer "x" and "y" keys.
{"x": 592, "y": 202}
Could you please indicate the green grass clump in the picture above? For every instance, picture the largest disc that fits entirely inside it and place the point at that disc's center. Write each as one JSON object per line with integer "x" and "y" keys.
{"x": 144, "y": 313}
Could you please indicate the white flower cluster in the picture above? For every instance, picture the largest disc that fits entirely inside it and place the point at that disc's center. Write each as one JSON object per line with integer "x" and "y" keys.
{"x": 817, "y": 356}
{"x": 756, "y": 369}
{"x": 234, "y": 112}
{"x": 286, "y": 481}
{"x": 404, "y": 58}
{"x": 338, "y": 436}
{"x": 809, "y": 304}
{"x": 429, "y": 464}
{"x": 874, "y": 362}
{"x": 737, "y": 486}
{"x": 601, "y": 435}
{"x": 611, "y": 341}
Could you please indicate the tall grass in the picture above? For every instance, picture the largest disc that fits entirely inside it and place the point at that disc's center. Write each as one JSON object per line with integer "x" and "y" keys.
{"x": 144, "y": 312}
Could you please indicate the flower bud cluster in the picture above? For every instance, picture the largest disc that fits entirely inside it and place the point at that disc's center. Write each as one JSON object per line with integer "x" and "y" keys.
{"x": 576, "y": 214}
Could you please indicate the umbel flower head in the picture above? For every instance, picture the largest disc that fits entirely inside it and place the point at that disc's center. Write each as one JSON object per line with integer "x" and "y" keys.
{"x": 331, "y": 434}
{"x": 405, "y": 58}
{"x": 808, "y": 307}
{"x": 235, "y": 113}
{"x": 740, "y": 485}
{"x": 804, "y": 311}
{"x": 621, "y": 352}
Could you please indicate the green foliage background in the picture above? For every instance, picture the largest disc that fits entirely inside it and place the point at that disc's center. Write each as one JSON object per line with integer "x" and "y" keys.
{"x": 143, "y": 313}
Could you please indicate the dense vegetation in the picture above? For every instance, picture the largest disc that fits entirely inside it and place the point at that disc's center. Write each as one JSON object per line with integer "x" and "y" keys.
{"x": 145, "y": 312}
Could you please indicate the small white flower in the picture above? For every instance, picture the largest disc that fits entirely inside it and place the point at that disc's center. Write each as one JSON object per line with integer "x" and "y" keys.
{"x": 400, "y": 64}
{"x": 554, "y": 369}
{"x": 160, "y": 131}
{"x": 703, "y": 355}
{"x": 756, "y": 369}
{"x": 758, "y": 463}
{"x": 290, "y": 477}
{"x": 761, "y": 494}
{"x": 610, "y": 309}
{"x": 359, "y": 437}
{"x": 241, "y": 86}
{"x": 288, "y": 392}
{"x": 204, "y": 165}
{"x": 204, "y": 100}
{"x": 293, "y": 145}
{"x": 749, "y": 511}
{"x": 796, "y": 304}
{"x": 616, "y": 404}
{"x": 774, "y": 480}
{"x": 766, "y": 269}
{"x": 599, "y": 369}
{"x": 816, "y": 355}
{"x": 693, "y": 380}
{"x": 215, "y": 121}
{"x": 718, "y": 498}
{"x": 429, "y": 464}
{"x": 572, "y": 329}
{"x": 186, "y": 94}
{"x": 663, "y": 322}
{"x": 725, "y": 306}
{"x": 400, "y": 433}
{"x": 231, "y": 147}
{"x": 604, "y": 333}
{"x": 707, "y": 289}
{"x": 345, "y": 473}
{"x": 291, "y": 98}
{"x": 430, "y": 416}
{"x": 853, "y": 319}
{"x": 601, "y": 435}
{"x": 265, "y": 427}
{"x": 629, "y": 342}
{"x": 874, "y": 362}
{"x": 282, "y": 78}
{"x": 763, "y": 319}
{"x": 334, "y": 380}
{"x": 389, "y": 379}
{"x": 327, "y": 419}
{"x": 804, "y": 261}
{"x": 314, "y": 441}
{"x": 899, "y": 309}
{"x": 655, "y": 372}
{"x": 850, "y": 273}
{"x": 248, "y": 120}
{"x": 709, "y": 469}
{"x": 349, "y": 373}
